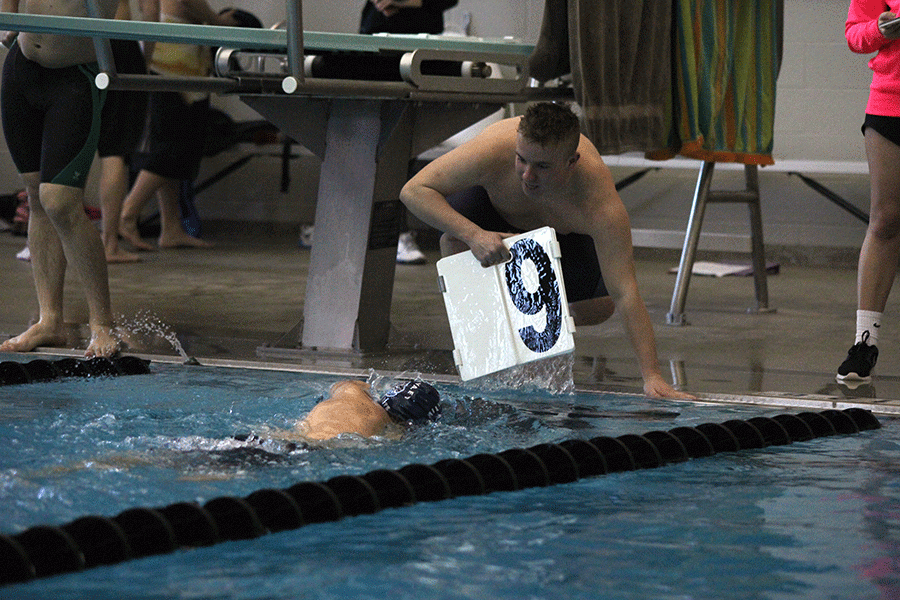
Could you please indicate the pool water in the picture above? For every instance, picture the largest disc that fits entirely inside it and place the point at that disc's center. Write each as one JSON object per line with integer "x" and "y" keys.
{"x": 816, "y": 519}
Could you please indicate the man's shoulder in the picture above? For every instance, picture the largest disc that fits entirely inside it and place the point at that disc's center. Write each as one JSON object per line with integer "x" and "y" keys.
{"x": 510, "y": 124}
{"x": 492, "y": 143}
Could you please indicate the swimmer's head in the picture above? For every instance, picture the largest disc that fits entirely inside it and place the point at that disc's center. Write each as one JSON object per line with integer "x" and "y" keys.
{"x": 412, "y": 402}
{"x": 243, "y": 18}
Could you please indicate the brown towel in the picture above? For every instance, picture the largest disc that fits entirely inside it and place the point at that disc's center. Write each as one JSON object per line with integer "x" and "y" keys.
{"x": 620, "y": 57}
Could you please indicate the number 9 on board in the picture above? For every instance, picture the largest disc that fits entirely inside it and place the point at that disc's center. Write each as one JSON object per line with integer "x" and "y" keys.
{"x": 508, "y": 314}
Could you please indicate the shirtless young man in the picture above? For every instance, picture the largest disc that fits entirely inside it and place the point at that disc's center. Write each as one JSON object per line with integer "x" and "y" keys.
{"x": 51, "y": 115}
{"x": 535, "y": 171}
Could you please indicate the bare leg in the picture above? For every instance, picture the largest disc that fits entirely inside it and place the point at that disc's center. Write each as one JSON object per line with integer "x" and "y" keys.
{"x": 83, "y": 249}
{"x": 48, "y": 265}
{"x": 881, "y": 247}
{"x": 113, "y": 187}
{"x": 592, "y": 311}
{"x": 59, "y": 233}
{"x": 451, "y": 245}
{"x": 145, "y": 187}
{"x": 172, "y": 233}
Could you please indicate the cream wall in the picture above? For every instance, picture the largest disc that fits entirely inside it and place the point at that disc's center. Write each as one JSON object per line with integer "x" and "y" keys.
{"x": 822, "y": 88}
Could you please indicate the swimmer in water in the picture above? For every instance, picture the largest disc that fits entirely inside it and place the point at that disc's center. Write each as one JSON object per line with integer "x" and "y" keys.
{"x": 351, "y": 408}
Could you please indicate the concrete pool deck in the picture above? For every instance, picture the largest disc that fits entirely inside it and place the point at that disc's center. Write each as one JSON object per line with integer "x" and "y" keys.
{"x": 241, "y": 301}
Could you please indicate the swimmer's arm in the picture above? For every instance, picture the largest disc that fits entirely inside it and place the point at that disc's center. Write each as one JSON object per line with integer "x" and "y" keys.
{"x": 425, "y": 195}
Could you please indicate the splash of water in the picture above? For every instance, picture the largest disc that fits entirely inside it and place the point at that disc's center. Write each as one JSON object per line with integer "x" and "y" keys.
{"x": 552, "y": 375}
{"x": 380, "y": 383}
{"x": 145, "y": 329}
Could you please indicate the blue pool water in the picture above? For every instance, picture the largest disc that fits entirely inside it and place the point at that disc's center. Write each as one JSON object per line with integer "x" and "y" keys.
{"x": 817, "y": 519}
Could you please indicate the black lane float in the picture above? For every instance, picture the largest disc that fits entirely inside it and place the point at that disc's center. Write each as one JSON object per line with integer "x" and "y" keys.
{"x": 40, "y": 370}
{"x": 91, "y": 541}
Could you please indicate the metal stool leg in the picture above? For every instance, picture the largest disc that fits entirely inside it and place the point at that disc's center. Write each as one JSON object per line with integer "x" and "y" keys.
{"x": 756, "y": 241}
{"x": 689, "y": 250}
{"x": 703, "y": 196}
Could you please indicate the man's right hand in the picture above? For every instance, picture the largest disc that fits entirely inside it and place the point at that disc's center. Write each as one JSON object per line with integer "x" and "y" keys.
{"x": 489, "y": 249}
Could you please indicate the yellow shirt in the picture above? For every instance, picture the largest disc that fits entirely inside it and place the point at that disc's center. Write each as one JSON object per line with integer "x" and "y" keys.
{"x": 184, "y": 60}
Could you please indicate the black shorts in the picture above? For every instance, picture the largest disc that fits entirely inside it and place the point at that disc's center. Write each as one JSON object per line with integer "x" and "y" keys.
{"x": 581, "y": 270}
{"x": 176, "y": 136}
{"x": 51, "y": 118}
{"x": 125, "y": 111}
{"x": 889, "y": 127}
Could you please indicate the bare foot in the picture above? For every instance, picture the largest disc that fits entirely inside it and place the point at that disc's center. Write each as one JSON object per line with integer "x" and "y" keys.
{"x": 130, "y": 234}
{"x": 183, "y": 240}
{"x": 36, "y": 335}
{"x": 103, "y": 343}
{"x": 120, "y": 256}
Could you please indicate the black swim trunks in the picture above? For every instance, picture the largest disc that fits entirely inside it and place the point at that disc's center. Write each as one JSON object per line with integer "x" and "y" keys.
{"x": 51, "y": 118}
{"x": 581, "y": 270}
{"x": 125, "y": 111}
{"x": 176, "y": 136}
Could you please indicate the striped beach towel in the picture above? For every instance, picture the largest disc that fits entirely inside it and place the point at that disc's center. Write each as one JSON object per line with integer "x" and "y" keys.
{"x": 726, "y": 61}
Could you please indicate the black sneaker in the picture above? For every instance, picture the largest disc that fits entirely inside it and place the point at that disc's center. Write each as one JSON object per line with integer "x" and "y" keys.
{"x": 859, "y": 363}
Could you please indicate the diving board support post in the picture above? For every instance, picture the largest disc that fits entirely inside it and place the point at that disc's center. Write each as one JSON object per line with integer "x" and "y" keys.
{"x": 102, "y": 46}
{"x": 295, "y": 48}
{"x": 365, "y": 145}
{"x": 703, "y": 196}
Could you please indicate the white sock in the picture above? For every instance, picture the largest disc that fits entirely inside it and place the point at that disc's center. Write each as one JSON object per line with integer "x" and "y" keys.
{"x": 868, "y": 324}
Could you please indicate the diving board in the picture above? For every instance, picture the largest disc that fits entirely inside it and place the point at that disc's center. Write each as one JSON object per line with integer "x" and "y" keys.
{"x": 364, "y": 132}
{"x": 242, "y": 37}
{"x": 292, "y": 45}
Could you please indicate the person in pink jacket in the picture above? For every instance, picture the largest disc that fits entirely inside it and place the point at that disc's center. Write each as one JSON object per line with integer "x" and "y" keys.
{"x": 870, "y": 28}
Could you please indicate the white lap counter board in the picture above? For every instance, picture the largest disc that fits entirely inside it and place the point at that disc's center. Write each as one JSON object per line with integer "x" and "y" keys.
{"x": 507, "y": 314}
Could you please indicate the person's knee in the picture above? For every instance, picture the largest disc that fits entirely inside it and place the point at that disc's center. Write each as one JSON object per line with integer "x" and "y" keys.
{"x": 62, "y": 204}
{"x": 592, "y": 311}
{"x": 451, "y": 245}
{"x": 885, "y": 223}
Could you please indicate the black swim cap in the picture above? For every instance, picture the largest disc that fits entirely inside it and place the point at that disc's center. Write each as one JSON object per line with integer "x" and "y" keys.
{"x": 413, "y": 401}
